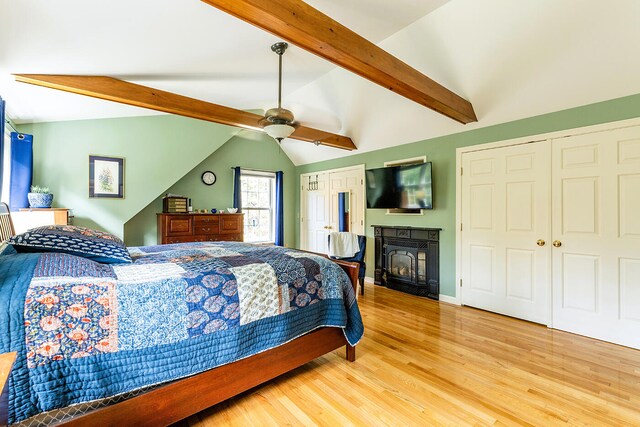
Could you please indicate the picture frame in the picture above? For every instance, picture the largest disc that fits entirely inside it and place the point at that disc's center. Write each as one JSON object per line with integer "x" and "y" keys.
{"x": 106, "y": 177}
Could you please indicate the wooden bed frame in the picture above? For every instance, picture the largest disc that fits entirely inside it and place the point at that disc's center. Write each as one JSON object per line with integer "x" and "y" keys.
{"x": 179, "y": 399}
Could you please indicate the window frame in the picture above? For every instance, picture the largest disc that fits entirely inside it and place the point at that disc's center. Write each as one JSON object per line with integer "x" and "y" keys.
{"x": 271, "y": 209}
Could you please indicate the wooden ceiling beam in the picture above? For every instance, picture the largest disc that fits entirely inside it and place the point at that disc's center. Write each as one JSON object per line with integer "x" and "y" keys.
{"x": 310, "y": 29}
{"x": 116, "y": 90}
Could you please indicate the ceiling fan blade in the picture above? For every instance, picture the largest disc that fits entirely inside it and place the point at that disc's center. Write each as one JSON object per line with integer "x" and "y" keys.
{"x": 310, "y": 29}
{"x": 329, "y": 139}
{"x": 111, "y": 89}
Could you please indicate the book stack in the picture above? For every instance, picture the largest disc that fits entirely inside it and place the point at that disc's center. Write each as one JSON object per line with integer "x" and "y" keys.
{"x": 174, "y": 204}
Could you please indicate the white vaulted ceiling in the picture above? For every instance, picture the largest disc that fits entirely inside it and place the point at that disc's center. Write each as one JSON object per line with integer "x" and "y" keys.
{"x": 511, "y": 59}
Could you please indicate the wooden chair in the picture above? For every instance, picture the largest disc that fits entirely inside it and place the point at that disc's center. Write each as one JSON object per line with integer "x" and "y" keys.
{"x": 359, "y": 257}
{"x": 6, "y": 225}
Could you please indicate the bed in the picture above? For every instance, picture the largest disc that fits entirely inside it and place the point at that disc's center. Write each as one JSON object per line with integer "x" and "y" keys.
{"x": 180, "y": 328}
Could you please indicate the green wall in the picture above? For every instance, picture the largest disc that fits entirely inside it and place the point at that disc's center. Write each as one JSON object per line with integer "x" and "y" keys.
{"x": 165, "y": 153}
{"x": 442, "y": 152}
{"x": 159, "y": 150}
{"x": 247, "y": 150}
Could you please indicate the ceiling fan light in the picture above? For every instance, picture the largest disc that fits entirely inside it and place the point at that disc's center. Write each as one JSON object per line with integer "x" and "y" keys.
{"x": 279, "y": 131}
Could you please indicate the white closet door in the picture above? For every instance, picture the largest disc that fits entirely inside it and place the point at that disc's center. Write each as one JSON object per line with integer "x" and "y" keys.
{"x": 596, "y": 219}
{"x": 316, "y": 215}
{"x": 351, "y": 181}
{"x": 505, "y": 211}
{"x": 355, "y": 183}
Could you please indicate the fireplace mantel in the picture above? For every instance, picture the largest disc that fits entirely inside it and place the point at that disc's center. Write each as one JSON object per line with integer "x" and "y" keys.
{"x": 408, "y": 259}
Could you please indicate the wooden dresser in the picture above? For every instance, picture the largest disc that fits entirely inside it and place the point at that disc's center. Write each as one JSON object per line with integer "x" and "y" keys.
{"x": 181, "y": 228}
{"x": 28, "y": 218}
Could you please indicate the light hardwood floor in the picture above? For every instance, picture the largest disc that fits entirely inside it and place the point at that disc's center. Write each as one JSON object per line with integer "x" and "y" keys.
{"x": 428, "y": 363}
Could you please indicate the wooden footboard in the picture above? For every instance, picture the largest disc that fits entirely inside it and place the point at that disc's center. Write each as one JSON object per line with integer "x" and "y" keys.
{"x": 180, "y": 399}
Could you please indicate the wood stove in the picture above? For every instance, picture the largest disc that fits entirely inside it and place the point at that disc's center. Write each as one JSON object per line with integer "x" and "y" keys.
{"x": 407, "y": 259}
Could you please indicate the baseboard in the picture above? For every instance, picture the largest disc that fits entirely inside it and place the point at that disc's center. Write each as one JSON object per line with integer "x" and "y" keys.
{"x": 443, "y": 298}
{"x": 449, "y": 299}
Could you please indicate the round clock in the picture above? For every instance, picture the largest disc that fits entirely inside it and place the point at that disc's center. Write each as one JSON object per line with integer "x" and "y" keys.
{"x": 209, "y": 178}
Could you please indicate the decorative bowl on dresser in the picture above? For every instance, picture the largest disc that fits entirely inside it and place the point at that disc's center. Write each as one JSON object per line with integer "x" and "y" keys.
{"x": 185, "y": 227}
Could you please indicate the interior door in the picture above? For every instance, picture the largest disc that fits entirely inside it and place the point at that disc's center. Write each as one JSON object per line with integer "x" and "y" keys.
{"x": 351, "y": 181}
{"x": 596, "y": 226}
{"x": 337, "y": 184}
{"x": 505, "y": 227}
{"x": 315, "y": 215}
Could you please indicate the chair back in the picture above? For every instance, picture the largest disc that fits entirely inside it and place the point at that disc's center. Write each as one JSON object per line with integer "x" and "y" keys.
{"x": 362, "y": 242}
{"x": 6, "y": 225}
{"x": 359, "y": 256}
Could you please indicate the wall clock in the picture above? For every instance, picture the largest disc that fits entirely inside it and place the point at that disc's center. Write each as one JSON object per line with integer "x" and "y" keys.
{"x": 209, "y": 178}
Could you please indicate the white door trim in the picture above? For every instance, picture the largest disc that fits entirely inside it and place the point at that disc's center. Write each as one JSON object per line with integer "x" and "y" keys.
{"x": 507, "y": 143}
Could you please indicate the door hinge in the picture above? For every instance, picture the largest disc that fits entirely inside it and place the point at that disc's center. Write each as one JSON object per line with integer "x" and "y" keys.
{"x": 460, "y": 282}
{"x": 362, "y": 222}
{"x": 361, "y": 182}
{"x": 460, "y": 226}
{"x": 461, "y": 171}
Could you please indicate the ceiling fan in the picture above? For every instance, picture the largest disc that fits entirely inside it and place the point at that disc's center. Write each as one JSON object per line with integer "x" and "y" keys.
{"x": 308, "y": 28}
{"x": 279, "y": 122}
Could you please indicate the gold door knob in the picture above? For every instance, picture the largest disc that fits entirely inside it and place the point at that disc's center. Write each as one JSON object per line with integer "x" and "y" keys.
{"x": 541, "y": 242}
{"x": 557, "y": 243}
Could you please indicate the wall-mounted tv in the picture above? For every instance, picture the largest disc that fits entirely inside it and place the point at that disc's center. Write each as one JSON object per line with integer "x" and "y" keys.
{"x": 400, "y": 187}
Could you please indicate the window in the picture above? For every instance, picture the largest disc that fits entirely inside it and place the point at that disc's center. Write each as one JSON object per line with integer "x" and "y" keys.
{"x": 258, "y": 206}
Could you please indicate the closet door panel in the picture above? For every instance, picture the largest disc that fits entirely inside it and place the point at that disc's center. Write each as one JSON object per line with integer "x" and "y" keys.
{"x": 596, "y": 260}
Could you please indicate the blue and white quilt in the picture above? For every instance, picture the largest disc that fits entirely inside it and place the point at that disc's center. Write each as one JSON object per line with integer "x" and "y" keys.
{"x": 86, "y": 331}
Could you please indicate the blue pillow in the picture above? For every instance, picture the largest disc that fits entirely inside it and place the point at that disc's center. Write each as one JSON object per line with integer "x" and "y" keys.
{"x": 84, "y": 242}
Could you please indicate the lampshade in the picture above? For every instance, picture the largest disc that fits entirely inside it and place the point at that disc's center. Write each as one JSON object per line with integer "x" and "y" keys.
{"x": 279, "y": 131}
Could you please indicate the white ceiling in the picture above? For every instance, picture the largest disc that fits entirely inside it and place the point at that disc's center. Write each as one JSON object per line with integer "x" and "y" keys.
{"x": 183, "y": 46}
{"x": 511, "y": 59}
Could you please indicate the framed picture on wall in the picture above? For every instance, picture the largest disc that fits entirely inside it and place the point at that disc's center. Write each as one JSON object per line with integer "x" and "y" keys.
{"x": 106, "y": 177}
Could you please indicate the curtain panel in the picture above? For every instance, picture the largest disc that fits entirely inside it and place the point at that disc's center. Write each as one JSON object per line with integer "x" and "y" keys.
{"x": 237, "y": 188}
{"x": 21, "y": 170}
{"x": 279, "y": 237}
{"x": 2, "y": 121}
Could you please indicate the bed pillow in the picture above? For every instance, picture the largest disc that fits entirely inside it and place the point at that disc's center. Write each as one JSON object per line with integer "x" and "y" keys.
{"x": 92, "y": 244}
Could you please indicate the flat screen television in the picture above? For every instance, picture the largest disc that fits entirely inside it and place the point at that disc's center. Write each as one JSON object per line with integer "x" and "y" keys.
{"x": 400, "y": 187}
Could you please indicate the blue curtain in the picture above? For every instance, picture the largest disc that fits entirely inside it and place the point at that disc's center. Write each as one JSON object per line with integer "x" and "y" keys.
{"x": 279, "y": 209}
{"x": 21, "y": 170}
{"x": 341, "y": 213}
{"x": 237, "y": 188}
{"x": 1, "y": 142}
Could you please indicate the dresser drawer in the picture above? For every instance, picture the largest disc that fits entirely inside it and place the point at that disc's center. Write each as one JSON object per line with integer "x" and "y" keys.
{"x": 229, "y": 237}
{"x": 199, "y": 219}
{"x": 211, "y": 228}
{"x": 178, "y": 226}
{"x": 183, "y": 239}
{"x": 231, "y": 224}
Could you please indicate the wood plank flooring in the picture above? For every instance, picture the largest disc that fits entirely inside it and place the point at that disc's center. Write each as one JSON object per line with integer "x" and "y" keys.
{"x": 428, "y": 363}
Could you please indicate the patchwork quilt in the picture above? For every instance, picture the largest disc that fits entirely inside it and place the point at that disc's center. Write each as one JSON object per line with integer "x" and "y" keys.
{"x": 88, "y": 332}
